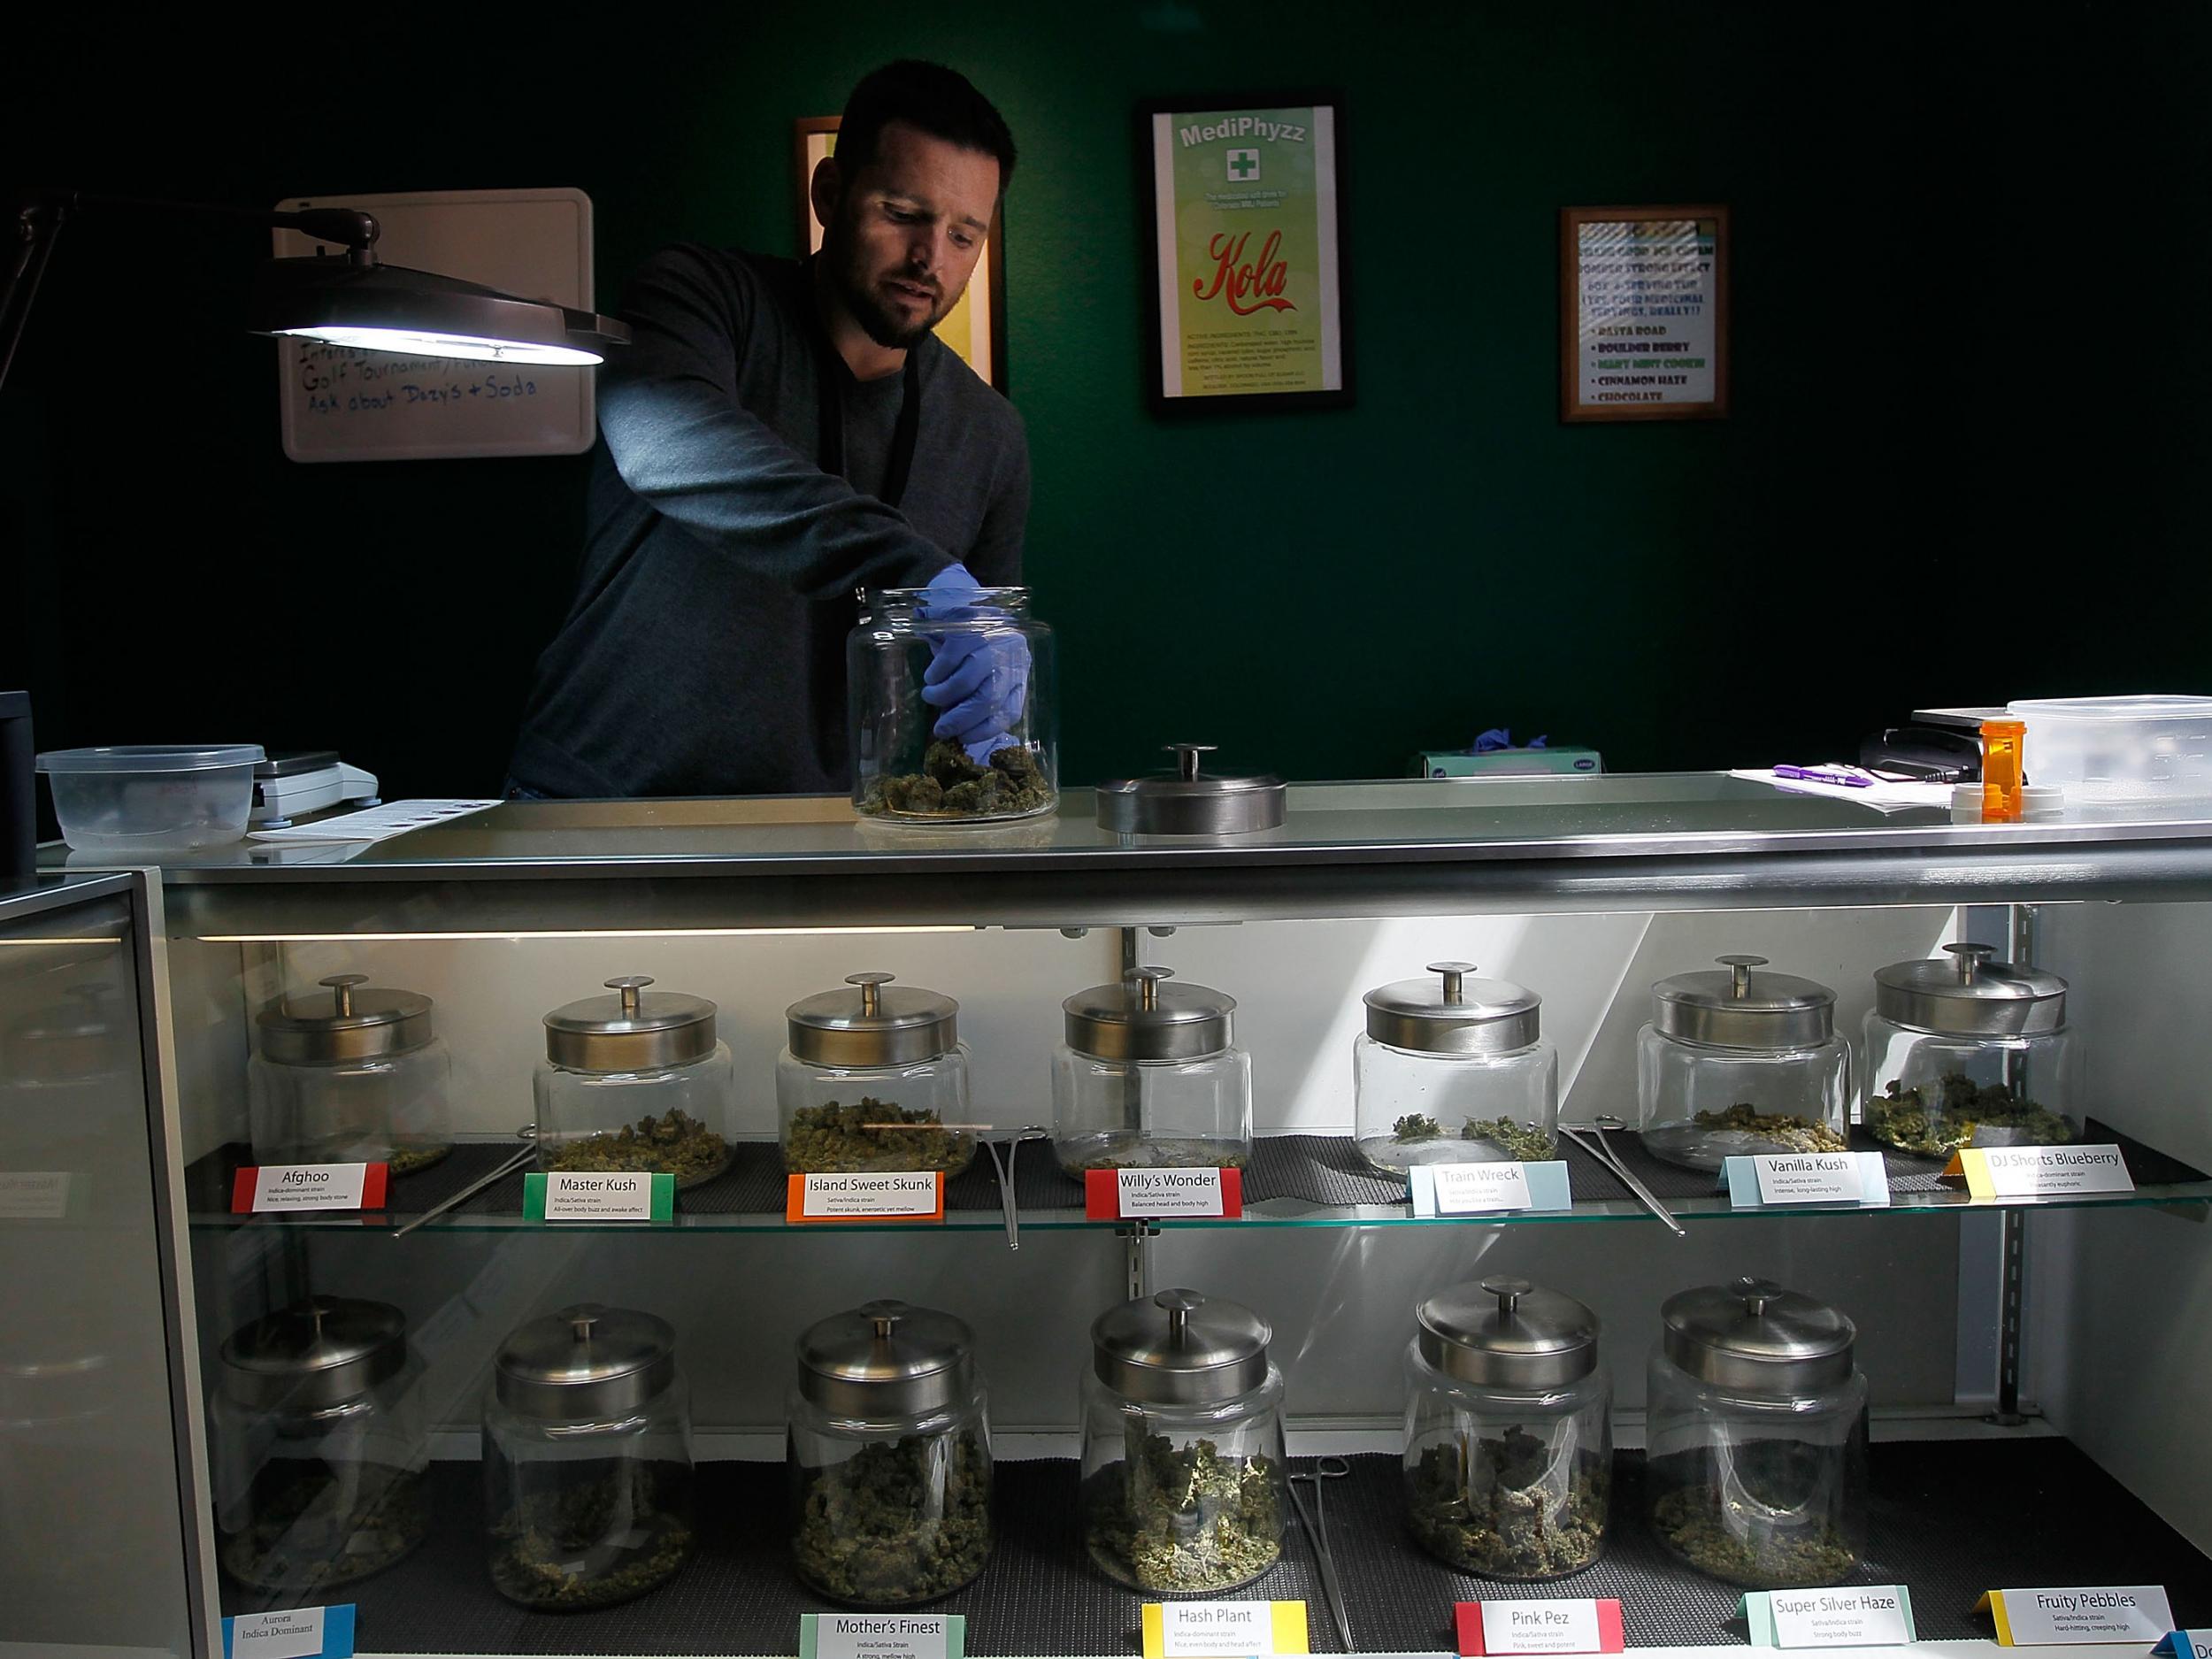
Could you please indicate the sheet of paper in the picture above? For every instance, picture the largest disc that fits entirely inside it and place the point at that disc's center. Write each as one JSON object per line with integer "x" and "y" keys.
{"x": 1881, "y": 796}
{"x": 376, "y": 823}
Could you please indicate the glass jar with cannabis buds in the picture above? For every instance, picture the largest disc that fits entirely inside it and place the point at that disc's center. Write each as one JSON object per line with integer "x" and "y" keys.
{"x": 1183, "y": 1472}
{"x": 635, "y": 1082}
{"x": 889, "y": 1458}
{"x": 875, "y": 1077}
{"x": 1452, "y": 1069}
{"x": 1509, "y": 1450}
{"x": 1756, "y": 1437}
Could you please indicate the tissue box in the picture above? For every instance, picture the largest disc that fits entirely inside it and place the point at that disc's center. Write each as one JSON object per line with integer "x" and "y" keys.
{"x": 1508, "y": 763}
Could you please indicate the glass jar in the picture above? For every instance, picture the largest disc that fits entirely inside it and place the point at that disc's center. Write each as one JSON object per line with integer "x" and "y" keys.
{"x": 1005, "y": 766}
{"x": 1739, "y": 1064}
{"x": 1509, "y": 1439}
{"x": 1149, "y": 1078}
{"x": 1756, "y": 1437}
{"x": 889, "y": 1458}
{"x": 586, "y": 1459}
{"x": 871, "y": 1080}
{"x": 1969, "y": 1052}
{"x": 1463, "y": 1079}
{"x": 1183, "y": 1466}
{"x": 635, "y": 1081}
{"x": 359, "y": 1079}
{"x": 321, "y": 1447}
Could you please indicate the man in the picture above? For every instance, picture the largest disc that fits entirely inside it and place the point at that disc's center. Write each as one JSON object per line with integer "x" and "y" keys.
{"x": 778, "y": 435}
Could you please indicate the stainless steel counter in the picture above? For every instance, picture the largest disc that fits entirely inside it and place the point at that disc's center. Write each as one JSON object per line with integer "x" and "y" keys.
{"x": 1654, "y": 841}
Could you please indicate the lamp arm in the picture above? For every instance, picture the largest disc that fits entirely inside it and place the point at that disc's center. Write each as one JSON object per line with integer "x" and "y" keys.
{"x": 40, "y": 217}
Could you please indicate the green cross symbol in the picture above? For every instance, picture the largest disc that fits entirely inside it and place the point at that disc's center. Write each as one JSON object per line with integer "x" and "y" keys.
{"x": 1244, "y": 166}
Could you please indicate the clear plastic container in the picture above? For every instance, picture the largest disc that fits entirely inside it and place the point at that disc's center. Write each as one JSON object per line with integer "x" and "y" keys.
{"x": 889, "y": 1458}
{"x": 635, "y": 1082}
{"x": 587, "y": 1472}
{"x": 321, "y": 1448}
{"x": 1970, "y": 1052}
{"x": 1183, "y": 1464}
{"x": 1006, "y": 766}
{"x": 153, "y": 798}
{"x": 1739, "y": 1064}
{"x": 1508, "y": 1439}
{"x": 2110, "y": 755}
{"x": 874, "y": 1078}
{"x": 1756, "y": 1437}
{"x": 359, "y": 1078}
{"x": 1149, "y": 1078}
{"x": 1454, "y": 1073}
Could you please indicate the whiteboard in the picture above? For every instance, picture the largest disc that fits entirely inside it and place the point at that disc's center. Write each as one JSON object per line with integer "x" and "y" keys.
{"x": 337, "y": 404}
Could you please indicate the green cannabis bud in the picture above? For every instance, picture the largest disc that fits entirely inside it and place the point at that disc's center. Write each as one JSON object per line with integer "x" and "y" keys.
{"x": 1512, "y": 1515}
{"x": 1184, "y": 1520}
{"x": 312, "y": 1526}
{"x": 834, "y": 1138}
{"x": 608, "y": 1532}
{"x": 1786, "y": 1132}
{"x": 675, "y": 1144}
{"x": 1965, "y": 1114}
{"x": 897, "y": 1523}
{"x": 952, "y": 785}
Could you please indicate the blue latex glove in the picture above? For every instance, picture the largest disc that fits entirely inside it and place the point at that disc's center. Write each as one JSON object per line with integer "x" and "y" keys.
{"x": 978, "y": 676}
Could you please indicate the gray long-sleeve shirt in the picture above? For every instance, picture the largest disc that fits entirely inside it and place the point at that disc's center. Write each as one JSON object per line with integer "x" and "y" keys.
{"x": 705, "y": 650}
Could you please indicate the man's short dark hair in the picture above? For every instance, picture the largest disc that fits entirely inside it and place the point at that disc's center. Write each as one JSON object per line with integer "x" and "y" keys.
{"x": 941, "y": 102}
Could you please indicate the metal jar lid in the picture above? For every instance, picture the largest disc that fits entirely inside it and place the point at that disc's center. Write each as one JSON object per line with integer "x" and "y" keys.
{"x": 1970, "y": 995}
{"x": 1753, "y": 1335}
{"x": 585, "y": 1363}
{"x": 350, "y": 1024}
{"x": 1743, "y": 1009}
{"x": 1187, "y": 801}
{"x": 1469, "y": 1017}
{"x": 1146, "y": 1019}
{"x": 1506, "y": 1334}
{"x": 886, "y": 1359}
{"x": 315, "y": 1354}
{"x": 875, "y": 1026}
{"x": 1179, "y": 1349}
{"x": 630, "y": 1031}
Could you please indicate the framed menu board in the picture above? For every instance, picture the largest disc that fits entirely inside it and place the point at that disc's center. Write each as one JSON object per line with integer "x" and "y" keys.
{"x": 1643, "y": 313}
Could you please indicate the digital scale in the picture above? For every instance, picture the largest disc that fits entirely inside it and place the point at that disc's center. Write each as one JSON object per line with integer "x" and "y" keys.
{"x": 291, "y": 785}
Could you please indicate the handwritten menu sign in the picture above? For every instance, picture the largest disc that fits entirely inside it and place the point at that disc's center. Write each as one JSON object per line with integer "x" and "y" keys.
{"x": 1644, "y": 308}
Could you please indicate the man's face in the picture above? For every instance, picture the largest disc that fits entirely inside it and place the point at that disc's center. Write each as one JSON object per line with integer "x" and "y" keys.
{"x": 900, "y": 237}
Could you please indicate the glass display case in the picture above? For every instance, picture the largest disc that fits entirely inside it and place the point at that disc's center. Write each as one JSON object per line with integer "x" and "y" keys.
{"x": 1581, "y": 886}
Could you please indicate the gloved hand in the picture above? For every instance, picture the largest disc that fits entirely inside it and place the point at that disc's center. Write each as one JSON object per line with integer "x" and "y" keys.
{"x": 978, "y": 674}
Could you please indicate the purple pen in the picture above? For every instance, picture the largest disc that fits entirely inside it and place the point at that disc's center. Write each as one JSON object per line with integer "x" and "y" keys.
{"x": 1814, "y": 774}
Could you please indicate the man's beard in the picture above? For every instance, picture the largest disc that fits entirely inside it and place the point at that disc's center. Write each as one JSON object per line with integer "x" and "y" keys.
{"x": 877, "y": 321}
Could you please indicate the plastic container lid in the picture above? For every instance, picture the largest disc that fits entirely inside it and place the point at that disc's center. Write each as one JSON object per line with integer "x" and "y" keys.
{"x": 1741, "y": 1009}
{"x": 1970, "y": 995}
{"x": 876, "y": 1027}
{"x": 354, "y": 1025}
{"x": 886, "y": 1359}
{"x": 1505, "y": 1332}
{"x": 1179, "y": 1349}
{"x": 2136, "y": 706}
{"x": 587, "y": 1363}
{"x": 151, "y": 757}
{"x": 630, "y": 1031}
{"x": 1146, "y": 1019}
{"x": 314, "y": 1354}
{"x": 1752, "y": 1335}
{"x": 1465, "y": 1015}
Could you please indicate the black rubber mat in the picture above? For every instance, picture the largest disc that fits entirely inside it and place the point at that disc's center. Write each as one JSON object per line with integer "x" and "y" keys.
{"x": 1948, "y": 1519}
{"x": 1320, "y": 1170}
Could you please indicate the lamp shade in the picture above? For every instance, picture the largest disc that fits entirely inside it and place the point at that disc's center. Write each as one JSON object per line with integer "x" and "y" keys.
{"x": 389, "y": 308}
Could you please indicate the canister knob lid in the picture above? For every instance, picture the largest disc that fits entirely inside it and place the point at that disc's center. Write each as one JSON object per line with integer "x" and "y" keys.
{"x": 888, "y": 1359}
{"x": 314, "y": 1354}
{"x": 1742, "y": 1009}
{"x": 1970, "y": 995}
{"x": 584, "y": 1363}
{"x": 1190, "y": 802}
{"x": 872, "y": 1024}
{"x": 1506, "y": 1333}
{"x": 349, "y": 1024}
{"x": 631, "y": 1031}
{"x": 1179, "y": 1349}
{"x": 1144, "y": 1017}
{"x": 1753, "y": 1335}
{"x": 1454, "y": 1013}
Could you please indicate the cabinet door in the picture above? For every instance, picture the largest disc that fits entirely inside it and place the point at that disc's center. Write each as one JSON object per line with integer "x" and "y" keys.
{"x": 99, "y": 1527}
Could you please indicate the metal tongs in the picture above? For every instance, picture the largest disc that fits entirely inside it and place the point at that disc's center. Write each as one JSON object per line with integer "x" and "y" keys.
{"x": 527, "y": 1135}
{"x": 1317, "y": 1523}
{"x": 1598, "y": 1146}
{"x": 1004, "y": 1167}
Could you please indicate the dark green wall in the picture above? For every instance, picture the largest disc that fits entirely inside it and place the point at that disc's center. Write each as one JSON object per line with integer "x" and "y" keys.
{"x": 1964, "y": 460}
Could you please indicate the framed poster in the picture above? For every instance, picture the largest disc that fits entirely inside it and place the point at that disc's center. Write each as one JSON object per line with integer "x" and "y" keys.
{"x": 1249, "y": 303}
{"x": 975, "y": 329}
{"x": 1643, "y": 313}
